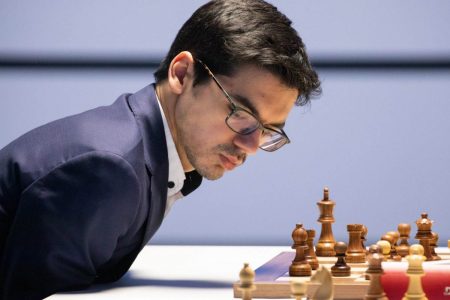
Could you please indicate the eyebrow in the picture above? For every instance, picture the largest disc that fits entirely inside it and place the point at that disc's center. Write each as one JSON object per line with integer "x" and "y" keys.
{"x": 245, "y": 102}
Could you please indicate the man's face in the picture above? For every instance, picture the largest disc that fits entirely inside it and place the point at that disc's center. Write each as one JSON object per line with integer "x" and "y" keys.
{"x": 210, "y": 145}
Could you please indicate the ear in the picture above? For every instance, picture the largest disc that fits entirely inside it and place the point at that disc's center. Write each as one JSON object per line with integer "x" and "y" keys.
{"x": 181, "y": 69}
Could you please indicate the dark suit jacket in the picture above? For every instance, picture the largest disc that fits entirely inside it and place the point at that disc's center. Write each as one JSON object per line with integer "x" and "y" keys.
{"x": 81, "y": 196}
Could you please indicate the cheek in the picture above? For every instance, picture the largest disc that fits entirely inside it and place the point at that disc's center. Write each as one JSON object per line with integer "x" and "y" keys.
{"x": 203, "y": 128}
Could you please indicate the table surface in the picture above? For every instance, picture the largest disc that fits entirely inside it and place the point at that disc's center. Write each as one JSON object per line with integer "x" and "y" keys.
{"x": 181, "y": 272}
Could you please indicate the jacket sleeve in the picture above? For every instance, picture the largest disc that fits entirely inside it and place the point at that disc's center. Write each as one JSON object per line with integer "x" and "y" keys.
{"x": 67, "y": 225}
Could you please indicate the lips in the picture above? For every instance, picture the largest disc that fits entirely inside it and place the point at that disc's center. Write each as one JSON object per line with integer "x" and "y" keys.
{"x": 229, "y": 162}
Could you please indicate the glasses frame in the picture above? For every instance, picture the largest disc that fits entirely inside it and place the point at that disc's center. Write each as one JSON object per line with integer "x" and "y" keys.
{"x": 236, "y": 107}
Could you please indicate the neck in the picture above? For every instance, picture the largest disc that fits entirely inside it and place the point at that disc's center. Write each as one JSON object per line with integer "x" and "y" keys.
{"x": 168, "y": 102}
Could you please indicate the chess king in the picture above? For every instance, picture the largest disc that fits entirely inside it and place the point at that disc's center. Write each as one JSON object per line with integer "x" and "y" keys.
{"x": 81, "y": 196}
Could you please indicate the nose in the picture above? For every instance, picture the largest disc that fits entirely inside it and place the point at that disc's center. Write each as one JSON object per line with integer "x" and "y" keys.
{"x": 248, "y": 143}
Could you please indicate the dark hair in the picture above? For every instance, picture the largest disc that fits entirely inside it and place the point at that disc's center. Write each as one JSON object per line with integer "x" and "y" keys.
{"x": 226, "y": 34}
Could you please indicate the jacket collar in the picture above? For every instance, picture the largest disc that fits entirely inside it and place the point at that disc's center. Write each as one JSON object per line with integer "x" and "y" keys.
{"x": 148, "y": 116}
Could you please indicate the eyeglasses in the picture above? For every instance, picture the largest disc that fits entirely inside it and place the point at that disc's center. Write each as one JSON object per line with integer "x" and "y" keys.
{"x": 242, "y": 121}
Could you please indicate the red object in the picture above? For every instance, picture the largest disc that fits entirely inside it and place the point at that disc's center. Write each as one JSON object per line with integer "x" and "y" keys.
{"x": 435, "y": 283}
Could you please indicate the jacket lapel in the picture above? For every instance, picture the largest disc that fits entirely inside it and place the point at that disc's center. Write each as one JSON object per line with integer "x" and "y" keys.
{"x": 147, "y": 112}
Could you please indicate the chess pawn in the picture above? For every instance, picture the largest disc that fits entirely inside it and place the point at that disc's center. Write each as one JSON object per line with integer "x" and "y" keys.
{"x": 340, "y": 269}
{"x": 372, "y": 250}
{"x": 385, "y": 249}
{"x": 298, "y": 289}
{"x": 310, "y": 256}
{"x": 424, "y": 234}
{"x": 299, "y": 266}
{"x": 246, "y": 276}
{"x": 391, "y": 239}
{"x": 355, "y": 253}
{"x": 433, "y": 245}
{"x": 403, "y": 247}
{"x": 325, "y": 245}
{"x": 374, "y": 272}
{"x": 415, "y": 272}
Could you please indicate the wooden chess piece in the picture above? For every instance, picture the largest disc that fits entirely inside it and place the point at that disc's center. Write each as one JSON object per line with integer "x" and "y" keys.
{"x": 415, "y": 272}
{"x": 311, "y": 257}
{"x": 403, "y": 246}
{"x": 325, "y": 290}
{"x": 246, "y": 276}
{"x": 433, "y": 245}
{"x": 424, "y": 234}
{"x": 372, "y": 250}
{"x": 299, "y": 266}
{"x": 385, "y": 249}
{"x": 355, "y": 253}
{"x": 340, "y": 269}
{"x": 298, "y": 289}
{"x": 391, "y": 239}
{"x": 363, "y": 238}
{"x": 325, "y": 245}
{"x": 375, "y": 270}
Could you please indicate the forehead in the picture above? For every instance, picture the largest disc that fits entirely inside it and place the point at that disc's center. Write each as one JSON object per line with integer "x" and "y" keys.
{"x": 264, "y": 91}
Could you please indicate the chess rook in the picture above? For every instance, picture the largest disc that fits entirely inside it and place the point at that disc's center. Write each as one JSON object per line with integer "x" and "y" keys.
{"x": 325, "y": 245}
{"x": 355, "y": 252}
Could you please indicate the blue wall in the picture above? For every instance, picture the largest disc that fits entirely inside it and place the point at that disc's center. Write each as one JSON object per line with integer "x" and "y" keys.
{"x": 377, "y": 137}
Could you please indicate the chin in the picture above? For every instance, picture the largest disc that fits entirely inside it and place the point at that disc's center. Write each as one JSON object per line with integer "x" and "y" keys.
{"x": 211, "y": 173}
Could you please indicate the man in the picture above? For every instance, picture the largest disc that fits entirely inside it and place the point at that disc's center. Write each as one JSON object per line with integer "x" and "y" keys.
{"x": 81, "y": 196}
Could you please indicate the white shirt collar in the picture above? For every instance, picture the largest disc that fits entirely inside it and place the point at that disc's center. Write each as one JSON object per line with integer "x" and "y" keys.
{"x": 176, "y": 171}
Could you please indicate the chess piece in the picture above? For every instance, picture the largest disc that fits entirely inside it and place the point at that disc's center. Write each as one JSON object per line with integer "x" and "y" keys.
{"x": 415, "y": 272}
{"x": 391, "y": 238}
{"x": 372, "y": 250}
{"x": 363, "y": 238}
{"x": 355, "y": 253}
{"x": 385, "y": 249}
{"x": 340, "y": 268}
{"x": 325, "y": 245}
{"x": 403, "y": 247}
{"x": 311, "y": 257}
{"x": 246, "y": 276}
{"x": 325, "y": 290}
{"x": 375, "y": 270}
{"x": 433, "y": 245}
{"x": 298, "y": 289}
{"x": 299, "y": 266}
{"x": 424, "y": 234}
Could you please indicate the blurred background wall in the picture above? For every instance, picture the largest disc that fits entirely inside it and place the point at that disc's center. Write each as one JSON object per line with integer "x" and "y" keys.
{"x": 378, "y": 137}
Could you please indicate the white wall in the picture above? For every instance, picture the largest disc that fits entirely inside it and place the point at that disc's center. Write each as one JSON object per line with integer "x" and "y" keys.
{"x": 377, "y": 138}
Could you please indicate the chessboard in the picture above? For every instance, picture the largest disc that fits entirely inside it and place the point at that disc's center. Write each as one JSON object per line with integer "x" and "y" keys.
{"x": 390, "y": 259}
{"x": 272, "y": 280}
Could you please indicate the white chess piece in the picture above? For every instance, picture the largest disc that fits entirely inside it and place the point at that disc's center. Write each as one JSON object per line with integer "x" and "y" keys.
{"x": 247, "y": 276}
{"x": 325, "y": 290}
{"x": 298, "y": 289}
{"x": 415, "y": 272}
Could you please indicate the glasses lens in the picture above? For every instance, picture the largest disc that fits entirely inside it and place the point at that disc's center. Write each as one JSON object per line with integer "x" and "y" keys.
{"x": 242, "y": 122}
{"x": 272, "y": 140}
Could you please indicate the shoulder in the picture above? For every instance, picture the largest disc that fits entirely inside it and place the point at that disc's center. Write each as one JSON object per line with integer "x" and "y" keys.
{"x": 97, "y": 184}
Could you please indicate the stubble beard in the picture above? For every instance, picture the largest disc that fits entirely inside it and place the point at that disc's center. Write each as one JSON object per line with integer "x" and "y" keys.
{"x": 204, "y": 161}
